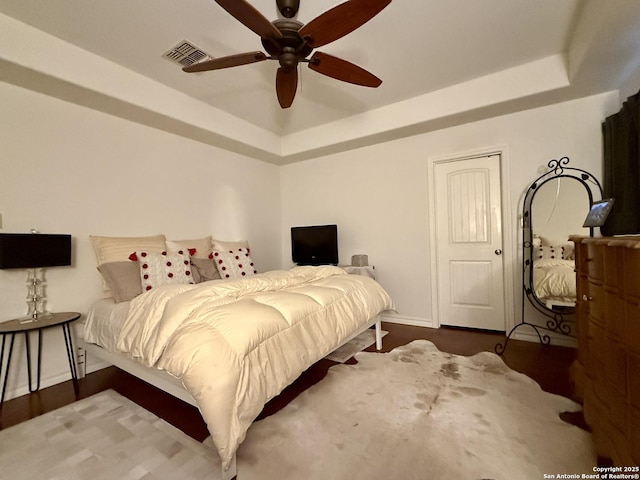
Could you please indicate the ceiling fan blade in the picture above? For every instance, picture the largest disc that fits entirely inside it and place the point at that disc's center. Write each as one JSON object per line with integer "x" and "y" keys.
{"x": 226, "y": 62}
{"x": 339, "y": 69}
{"x": 340, "y": 20}
{"x": 246, "y": 14}
{"x": 286, "y": 86}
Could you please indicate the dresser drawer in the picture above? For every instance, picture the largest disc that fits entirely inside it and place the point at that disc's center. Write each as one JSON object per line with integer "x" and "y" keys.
{"x": 632, "y": 334}
{"x": 634, "y": 437}
{"x": 618, "y": 411}
{"x": 595, "y": 261}
{"x": 616, "y": 366}
{"x": 632, "y": 272}
{"x": 615, "y": 316}
{"x": 597, "y": 303}
{"x": 633, "y": 379}
{"x": 613, "y": 266}
{"x": 597, "y": 352}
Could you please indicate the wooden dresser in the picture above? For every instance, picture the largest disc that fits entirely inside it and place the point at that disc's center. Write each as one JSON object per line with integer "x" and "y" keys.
{"x": 607, "y": 371}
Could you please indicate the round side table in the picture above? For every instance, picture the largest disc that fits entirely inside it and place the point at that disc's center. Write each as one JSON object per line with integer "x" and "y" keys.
{"x": 13, "y": 327}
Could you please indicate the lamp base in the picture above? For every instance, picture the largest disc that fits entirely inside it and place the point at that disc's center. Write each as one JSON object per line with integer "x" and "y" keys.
{"x": 35, "y": 295}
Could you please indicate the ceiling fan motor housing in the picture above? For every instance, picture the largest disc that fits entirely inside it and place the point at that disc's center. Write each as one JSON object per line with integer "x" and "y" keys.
{"x": 290, "y": 48}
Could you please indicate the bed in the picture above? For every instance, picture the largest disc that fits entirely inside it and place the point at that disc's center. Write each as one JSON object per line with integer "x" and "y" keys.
{"x": 554, "y": 282}
{"x": 230, "y": 345}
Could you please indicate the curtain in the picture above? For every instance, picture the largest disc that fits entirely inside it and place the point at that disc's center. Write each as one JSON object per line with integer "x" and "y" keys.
{"x": 621, "y": 138}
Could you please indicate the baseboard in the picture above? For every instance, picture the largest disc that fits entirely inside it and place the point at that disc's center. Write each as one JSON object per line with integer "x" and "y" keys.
{"x": 51, "y": 380}
{"x": 556, "y": 339}
{"x": 44, "y": 383}
{"x": 403, "y": 320}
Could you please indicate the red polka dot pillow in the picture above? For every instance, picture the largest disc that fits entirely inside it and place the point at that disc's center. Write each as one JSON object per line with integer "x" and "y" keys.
{"x": 234, "y": 263}
{"x": 564, "y": 252}
{"x": 164, "y": 268}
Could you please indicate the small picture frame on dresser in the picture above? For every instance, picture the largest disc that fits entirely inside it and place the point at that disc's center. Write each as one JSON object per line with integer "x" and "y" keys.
{"x": 598, "y": 213}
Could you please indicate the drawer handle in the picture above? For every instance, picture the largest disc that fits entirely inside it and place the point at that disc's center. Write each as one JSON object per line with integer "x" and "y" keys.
{"x": 587, "y": 298}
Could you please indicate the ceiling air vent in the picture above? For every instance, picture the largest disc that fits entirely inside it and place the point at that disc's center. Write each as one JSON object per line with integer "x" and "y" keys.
{"x": 185, "y": 53}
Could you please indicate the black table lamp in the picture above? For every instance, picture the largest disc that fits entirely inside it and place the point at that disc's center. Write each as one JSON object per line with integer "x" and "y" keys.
{"x": 34, "y": 251}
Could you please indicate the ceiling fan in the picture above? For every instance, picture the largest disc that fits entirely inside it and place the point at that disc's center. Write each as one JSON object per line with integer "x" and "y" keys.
{"x": 291, "y": 42}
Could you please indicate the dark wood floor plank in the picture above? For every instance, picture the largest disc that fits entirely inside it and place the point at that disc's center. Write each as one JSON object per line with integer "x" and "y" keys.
{"x": 548, "y": 365}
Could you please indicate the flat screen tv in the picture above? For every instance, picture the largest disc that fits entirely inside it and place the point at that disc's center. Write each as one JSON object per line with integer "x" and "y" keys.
{"x": 314, "y": 245}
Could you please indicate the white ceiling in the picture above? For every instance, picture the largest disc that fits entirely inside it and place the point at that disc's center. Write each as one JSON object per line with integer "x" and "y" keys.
{"x": 416, "y": 47}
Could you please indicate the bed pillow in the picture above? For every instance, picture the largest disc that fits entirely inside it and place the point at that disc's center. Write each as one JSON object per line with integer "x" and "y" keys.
{"x": 166, "y": 268}
{"x": 221, "y": 246}
{"x": 123, "y": 279}
{"x": 564, "y": 252}
{"x": 202, "y": 246}
{"x": 537, "y": 241}
{"x": 118, "y": 249}
{"x": 203, "y": 269}
{"x": 568, "y": 251}
{"x": 236, "y": 263}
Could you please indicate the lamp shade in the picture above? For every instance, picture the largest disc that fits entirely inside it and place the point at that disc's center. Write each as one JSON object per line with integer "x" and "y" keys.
{"x": 34, "y": 250}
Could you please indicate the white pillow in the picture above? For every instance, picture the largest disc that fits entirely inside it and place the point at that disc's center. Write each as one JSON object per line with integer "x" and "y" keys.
{"x": 234, "y": 263}
{"x": 537, "y": 241}
{"x": 166, "y": 268}
{"x": 558, "y": 252}
{"x": 202, "y": 246}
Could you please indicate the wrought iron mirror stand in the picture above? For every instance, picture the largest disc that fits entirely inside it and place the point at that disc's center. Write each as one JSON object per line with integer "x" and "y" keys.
{"x": 560, "y": 319}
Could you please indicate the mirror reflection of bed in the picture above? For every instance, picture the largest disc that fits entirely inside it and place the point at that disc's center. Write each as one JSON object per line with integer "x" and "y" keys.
{"x": 554, "y": 207}
{"x": 558, "y": 210}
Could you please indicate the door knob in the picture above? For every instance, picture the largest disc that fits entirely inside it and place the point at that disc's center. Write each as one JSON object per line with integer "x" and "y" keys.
{"x": 498, "y": 251}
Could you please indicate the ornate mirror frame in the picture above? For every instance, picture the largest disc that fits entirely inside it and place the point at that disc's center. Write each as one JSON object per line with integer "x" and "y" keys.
{"x": 559, "y": 320}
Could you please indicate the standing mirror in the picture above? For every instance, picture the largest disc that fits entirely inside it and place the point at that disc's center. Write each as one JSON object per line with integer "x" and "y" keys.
{"x": 555, "y": 207}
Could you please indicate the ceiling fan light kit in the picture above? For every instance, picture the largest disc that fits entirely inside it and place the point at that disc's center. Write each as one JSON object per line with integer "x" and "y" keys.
{"x": 291, "y": 42}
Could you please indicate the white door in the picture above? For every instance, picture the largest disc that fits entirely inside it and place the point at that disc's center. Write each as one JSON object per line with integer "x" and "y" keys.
{"x": 469, "y": 243}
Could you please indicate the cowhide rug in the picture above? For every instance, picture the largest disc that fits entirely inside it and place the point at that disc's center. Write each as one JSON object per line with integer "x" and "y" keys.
{"x": 418, "y": 413}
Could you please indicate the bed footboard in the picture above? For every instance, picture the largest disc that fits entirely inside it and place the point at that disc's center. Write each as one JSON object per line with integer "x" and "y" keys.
{"x": 157, "y": 378}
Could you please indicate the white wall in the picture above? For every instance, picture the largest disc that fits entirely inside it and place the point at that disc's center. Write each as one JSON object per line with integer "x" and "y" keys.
{"x": 378, "y": 195}
{"x": 68, "y": 169}
{"x": 559, "y": 209}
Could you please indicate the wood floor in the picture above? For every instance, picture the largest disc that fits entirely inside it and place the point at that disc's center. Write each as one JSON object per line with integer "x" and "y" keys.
{"x": 548, "y": 365}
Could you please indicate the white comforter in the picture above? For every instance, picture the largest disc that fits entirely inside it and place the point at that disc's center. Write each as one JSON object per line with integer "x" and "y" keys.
{"x": 554, "y": 279}
{"x": 237, "y": 344}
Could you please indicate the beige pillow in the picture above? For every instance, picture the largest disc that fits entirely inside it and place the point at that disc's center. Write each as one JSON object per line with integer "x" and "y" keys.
{"x": 123, "y": 279}
{"x": 204, "y": 269}
{"x": 202, "y": 246}
{"x": 118, "y": 249}
{"x": 222, "y": 246}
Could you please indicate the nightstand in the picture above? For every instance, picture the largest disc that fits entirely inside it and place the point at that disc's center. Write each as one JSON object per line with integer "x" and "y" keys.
{"x": 13, "y": 327}
{"x": 368, "y": 271}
